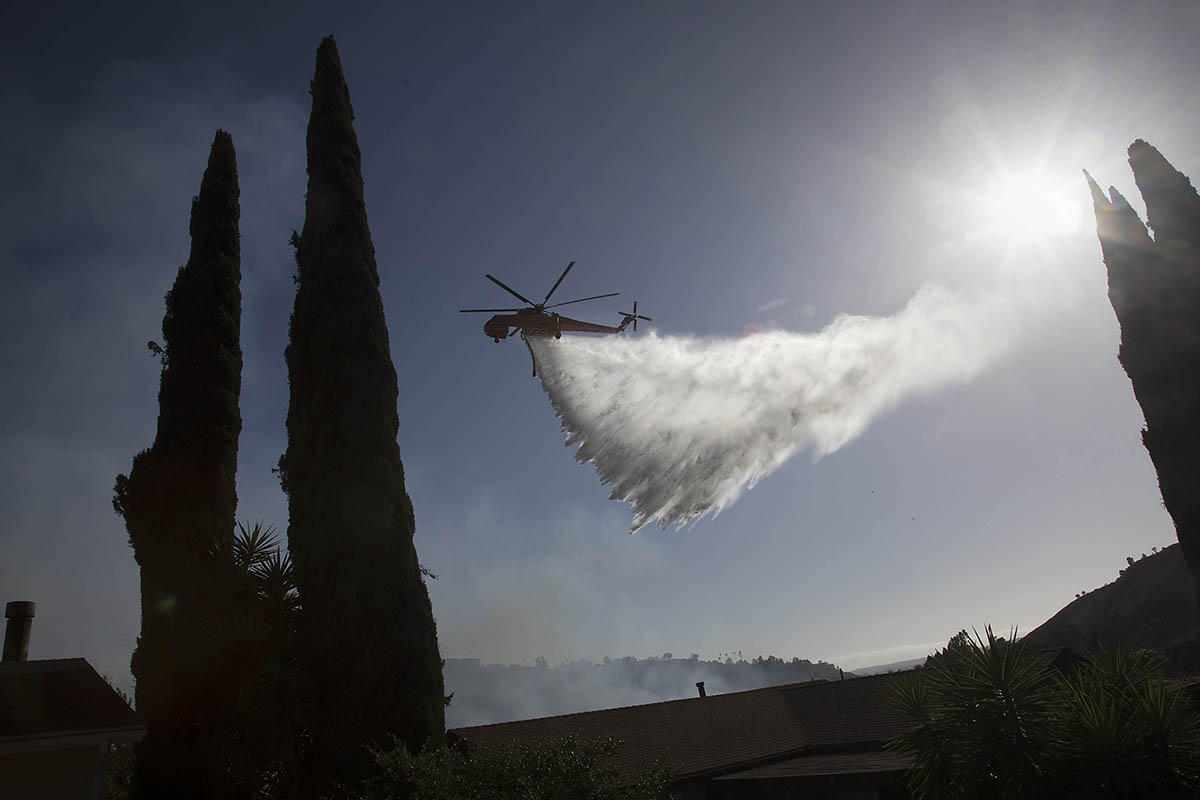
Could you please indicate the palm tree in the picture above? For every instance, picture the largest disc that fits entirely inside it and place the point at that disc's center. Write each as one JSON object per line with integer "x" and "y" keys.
{"x": 1126, "y": 731}
{"x": 994, "y": 719}
{"x": 258, "y": 660}
{"x": 985, "y": 710}
{"x": 267, "y": 694}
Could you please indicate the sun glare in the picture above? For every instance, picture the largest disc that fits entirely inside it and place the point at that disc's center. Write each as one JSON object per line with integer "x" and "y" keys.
{"x": 1028, "y": 207}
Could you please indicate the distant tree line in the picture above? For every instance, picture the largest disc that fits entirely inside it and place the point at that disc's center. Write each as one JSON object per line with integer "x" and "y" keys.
{"x": 485, "y": 693}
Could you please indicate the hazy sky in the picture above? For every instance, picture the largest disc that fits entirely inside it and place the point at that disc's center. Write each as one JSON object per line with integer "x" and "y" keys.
{"x": 733, "y": 167}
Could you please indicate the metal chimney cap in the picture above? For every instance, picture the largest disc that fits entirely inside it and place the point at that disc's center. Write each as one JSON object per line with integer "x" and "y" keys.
{"x": 20, "y": 608}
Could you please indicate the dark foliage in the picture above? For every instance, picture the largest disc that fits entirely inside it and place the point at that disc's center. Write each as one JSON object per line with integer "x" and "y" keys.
{"x": 556, "y": 770}
{"x": 267, "y": 693}
{"x": 984, "y": 710}
{"x": 996, "y": 719}
{"x": 1125, "y": 732}
{"x": 118, "y": 770}
{"x": 1154, "y": 286}
{"x": 118, "y": 761}
{"x": 258, "y": 656}
{"x": 179, "y": 499}
{"x": 367, "y": 624}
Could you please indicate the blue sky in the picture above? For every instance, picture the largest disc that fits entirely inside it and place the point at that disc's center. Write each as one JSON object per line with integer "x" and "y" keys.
{"x": 729, "y": 165}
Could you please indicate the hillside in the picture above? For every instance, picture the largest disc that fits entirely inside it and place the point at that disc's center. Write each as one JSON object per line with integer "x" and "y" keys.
{"x": 1152, "y": 604}
{"x": 893, "y": 666}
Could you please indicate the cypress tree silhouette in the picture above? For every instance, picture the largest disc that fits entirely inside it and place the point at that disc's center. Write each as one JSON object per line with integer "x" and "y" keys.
{"x": 179, "y": 498}
{"x": 367, "y": 623}
{"x": 1154, "y": 286}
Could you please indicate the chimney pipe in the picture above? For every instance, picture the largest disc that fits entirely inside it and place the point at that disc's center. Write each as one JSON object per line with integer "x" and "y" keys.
{"x": 700, "y": 688}
{"x": 20, "y": 623}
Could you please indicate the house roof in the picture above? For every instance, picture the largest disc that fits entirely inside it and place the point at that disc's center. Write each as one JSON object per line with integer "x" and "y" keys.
{"x": 57, "y": 699}
{"x": 855, "y": 711}
{"x": 721, "y": 732}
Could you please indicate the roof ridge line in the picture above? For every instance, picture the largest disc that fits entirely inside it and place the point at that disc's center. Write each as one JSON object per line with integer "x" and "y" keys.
{"x": 631, "y": 705}
{"x": 44, "y": 663}
{"x": 777, "y": 687}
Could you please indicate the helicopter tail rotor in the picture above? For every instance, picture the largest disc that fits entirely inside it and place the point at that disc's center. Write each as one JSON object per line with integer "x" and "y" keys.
{"x": 634, "y": 317}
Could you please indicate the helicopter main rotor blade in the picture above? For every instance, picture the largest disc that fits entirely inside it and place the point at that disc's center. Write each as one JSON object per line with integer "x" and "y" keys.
{"x": 580, "y": 300}
{"x": 484, "y": 310}
{"x": 510, "y": 290}
{"x": 557, "y": 282}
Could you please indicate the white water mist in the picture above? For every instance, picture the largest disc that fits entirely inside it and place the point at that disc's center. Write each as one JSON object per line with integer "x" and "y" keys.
{"x": 679, "y": 426}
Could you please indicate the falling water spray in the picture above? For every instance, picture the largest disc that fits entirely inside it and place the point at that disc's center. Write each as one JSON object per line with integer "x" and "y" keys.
{"x": 679, "y": 426}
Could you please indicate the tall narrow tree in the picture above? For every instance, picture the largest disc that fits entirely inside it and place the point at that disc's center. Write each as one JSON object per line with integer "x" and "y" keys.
{"x": 1154, "y": 286}
{"x": 179, "y": 499}
{"x": 367, "y": 623}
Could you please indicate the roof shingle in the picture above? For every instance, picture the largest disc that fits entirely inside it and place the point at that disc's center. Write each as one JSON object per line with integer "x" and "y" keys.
{"x": 720, "y": 732}
{"x": 58, "y": 696}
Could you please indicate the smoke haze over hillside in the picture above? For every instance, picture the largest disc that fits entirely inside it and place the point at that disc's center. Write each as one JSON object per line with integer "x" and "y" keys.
{"x": 679, "y": 426}
{"x": 486, "y": 693}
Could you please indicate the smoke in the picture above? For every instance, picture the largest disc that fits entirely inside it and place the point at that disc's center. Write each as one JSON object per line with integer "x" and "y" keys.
{"x": 679, "y": 426}
{"x": 486, "y": 693}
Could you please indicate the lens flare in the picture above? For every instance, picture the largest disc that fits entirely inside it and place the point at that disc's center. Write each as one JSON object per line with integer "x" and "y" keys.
{"x": 1028, "y": 206}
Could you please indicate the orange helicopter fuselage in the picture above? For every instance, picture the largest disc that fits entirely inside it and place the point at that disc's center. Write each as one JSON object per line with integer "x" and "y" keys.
{"x": 540, "y": 323}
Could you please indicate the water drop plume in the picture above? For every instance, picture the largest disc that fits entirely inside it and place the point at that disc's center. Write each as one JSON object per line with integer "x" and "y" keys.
{"x": 679, "y": 426}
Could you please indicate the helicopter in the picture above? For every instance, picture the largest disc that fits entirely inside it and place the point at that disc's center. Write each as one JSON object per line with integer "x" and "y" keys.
{"x": 536, "y": 320}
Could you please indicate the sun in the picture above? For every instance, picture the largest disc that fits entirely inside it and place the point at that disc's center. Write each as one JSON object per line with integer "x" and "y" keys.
{"x": 1027, "y": 207}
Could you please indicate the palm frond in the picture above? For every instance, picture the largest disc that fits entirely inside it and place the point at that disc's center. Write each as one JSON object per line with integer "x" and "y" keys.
{"x": 251, "y": 545}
